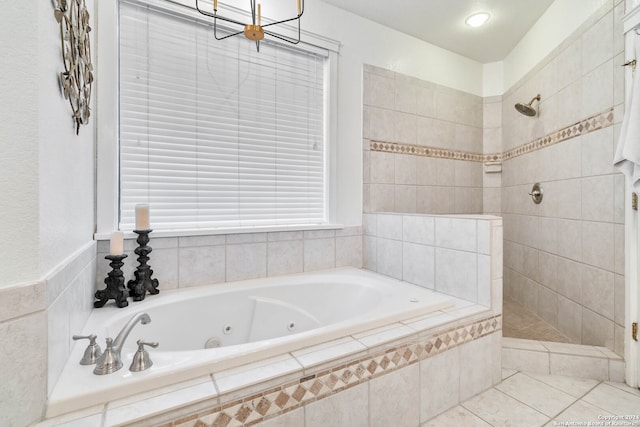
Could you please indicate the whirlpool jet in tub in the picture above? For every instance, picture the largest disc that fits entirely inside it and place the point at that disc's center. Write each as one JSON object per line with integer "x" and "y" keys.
{"x": 211, "y": 328}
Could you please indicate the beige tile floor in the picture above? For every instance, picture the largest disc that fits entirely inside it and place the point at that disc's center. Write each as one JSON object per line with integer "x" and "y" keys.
{"x": 525, "y": 399}
{"x": 518, "y": 322}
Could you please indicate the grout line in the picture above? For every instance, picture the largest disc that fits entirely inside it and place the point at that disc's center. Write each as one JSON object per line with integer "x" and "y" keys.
{"x": 510, "y": 397}
{"x": 525, "y": 403}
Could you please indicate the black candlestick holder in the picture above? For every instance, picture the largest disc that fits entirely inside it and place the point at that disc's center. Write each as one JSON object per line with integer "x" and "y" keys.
{"x": 143, "y": 282}
{"x": 115, "y": 284}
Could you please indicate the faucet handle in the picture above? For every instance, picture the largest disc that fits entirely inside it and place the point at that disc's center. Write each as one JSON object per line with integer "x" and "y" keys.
{"x": 109, "y": 362}
{"x": 141, "y": 360}
{"x": 92, "y": 352}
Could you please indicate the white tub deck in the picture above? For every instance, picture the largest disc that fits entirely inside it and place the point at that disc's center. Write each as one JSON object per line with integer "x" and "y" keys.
{"x": 323, "y": 306}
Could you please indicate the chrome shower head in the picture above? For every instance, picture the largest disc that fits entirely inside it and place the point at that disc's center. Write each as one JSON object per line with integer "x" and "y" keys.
{"x": 527, "y": 109}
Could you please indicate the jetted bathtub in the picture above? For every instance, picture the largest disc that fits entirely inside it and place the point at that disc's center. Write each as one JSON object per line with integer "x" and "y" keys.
{"x": 211, "y": 328}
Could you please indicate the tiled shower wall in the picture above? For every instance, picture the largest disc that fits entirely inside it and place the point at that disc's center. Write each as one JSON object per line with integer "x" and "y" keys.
{"x": 564, "y": 258}
{"x": 424, "y": 148}
{"x": 402, "y": 114}
{"x": 492, "y": 144}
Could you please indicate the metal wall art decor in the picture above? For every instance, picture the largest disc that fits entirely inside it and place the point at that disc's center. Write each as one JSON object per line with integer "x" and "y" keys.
{"x": 77, "y": 78}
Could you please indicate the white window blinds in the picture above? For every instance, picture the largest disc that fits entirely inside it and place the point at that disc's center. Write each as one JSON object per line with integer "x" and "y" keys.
{"x": 214, "y": 134}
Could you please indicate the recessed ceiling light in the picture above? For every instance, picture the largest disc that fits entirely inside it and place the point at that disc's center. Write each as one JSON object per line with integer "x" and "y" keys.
{"x": 477, "y": 19}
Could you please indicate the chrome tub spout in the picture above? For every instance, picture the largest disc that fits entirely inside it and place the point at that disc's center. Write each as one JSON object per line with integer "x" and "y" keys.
{"x": 124, "y": 333}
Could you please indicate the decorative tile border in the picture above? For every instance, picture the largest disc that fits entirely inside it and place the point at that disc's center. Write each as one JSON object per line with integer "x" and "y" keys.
{"x": 420, "y": 150}
{"x": 597, "y": 122}
{"x": 294, "y": 394}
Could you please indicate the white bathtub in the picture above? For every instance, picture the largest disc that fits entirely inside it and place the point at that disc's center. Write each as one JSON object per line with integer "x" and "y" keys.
{"x": 251, "y": 320}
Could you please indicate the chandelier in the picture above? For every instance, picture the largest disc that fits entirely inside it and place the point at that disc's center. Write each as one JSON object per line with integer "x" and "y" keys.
{"x": 254, "y": 30}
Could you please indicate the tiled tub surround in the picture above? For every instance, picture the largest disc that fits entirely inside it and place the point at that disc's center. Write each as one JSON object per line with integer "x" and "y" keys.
{"x": 401, "y": 375}
{"x": 564, "y": 258}
{"x": 36, "y": 324}
{"x": 251, "y": 320}
{"x": 181, "y": 262}
{"x": 408, "y": 111}
{"x": 455, "y": 255}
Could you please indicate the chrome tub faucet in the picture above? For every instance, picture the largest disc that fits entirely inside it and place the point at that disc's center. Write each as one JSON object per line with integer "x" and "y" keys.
{"x": 110, "y": 360}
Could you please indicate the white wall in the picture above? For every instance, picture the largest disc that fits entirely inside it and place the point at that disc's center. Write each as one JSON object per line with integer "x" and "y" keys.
{"x": 19, "y": 144}
{"x": 66, "y": 166}
{"x": 46, "y": 172}
{"x": 493, "y": 79}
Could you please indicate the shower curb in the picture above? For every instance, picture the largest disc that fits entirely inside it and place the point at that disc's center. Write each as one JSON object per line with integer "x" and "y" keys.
{"x": 552, "y": 358}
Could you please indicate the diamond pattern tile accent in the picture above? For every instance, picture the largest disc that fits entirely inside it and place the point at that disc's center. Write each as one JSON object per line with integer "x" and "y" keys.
{"x": 278, "y": 400}
{"x": 223, "y": 420}
{"x": 299, "y": 393}
{"x": 599, "y": 121}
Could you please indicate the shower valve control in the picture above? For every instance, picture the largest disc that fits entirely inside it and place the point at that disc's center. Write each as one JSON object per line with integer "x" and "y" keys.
{"x": 536, "y": 193}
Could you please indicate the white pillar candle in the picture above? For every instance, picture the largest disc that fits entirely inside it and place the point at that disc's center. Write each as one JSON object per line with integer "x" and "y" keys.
{"x": 116, "y": 244}
{"x": 142, "y": 217}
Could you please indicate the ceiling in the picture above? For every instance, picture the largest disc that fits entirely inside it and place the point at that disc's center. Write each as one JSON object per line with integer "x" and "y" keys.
{"x": 441, "y": 22}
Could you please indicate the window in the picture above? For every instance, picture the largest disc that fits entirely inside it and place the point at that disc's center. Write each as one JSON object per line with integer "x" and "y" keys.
{"x": 212, "y": 133}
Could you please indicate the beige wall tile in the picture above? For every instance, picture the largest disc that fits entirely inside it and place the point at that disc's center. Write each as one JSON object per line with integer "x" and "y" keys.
{"x": 456, "y": 273}
{"x": 476, "y": 371}
{"x": 598, "y": 244}
{"x": 405, "y": 169}
{"x": 284, "y": 257}
{"x": 597, "y": 330}
{"x": 293, "y": 418}
{"x": 597, "y": 152}
{"x": 406, "y": 96}
{"x": 569, "y": 279}
{"x": 319, "y": 254}
{"x": 598, "y": 291}
{"x": 246, "y": 261}
{"x": 348, "y": 408}
{"x": 418, "y": 264}
{"x": 579, "y": 366}
{"x": 389, "y": 258}
{"x": 382, "y": 197}
{"x": 426, "y": 199}
{"x": 381, "y": 127}
{"x": 525, "y": 360}
{"x": 394, "y": 400}
{"x": 548, "y": 305}
{"x": 426, "y": 103}
{"x": 597, "y": 43}
{"x": 202, "y": 266}
{"x": 439, "y": 373}
{"x": 349, "y": 251}
{"x": 405, "y": 127}
{"x": 596, "y": 95}
{"x": 570, "y": 319}
{"x": 405, "y": 198}
{"x": 382, "y": 168}
{"x": 379, "y": 91}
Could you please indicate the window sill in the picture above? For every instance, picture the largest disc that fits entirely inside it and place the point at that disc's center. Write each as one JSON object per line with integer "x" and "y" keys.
{"x": 230, "y": 230}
